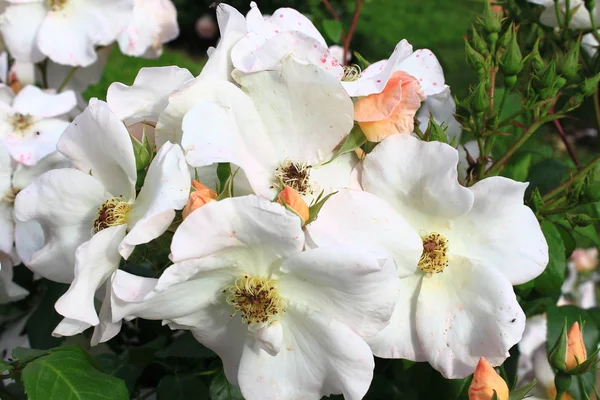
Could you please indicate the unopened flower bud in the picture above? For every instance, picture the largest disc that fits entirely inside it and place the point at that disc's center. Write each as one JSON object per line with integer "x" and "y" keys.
{"x": 548, "y": 76}
{"x": 585, "y": 260}
{"x": 485, "y": 382}
{"x": 478, "y": 43}
{"x": 491, "y": 20}
{"x": 292, "y": 199}
{"x": 536, "y": 60}
{"x": 512, "y": 61}
{"x": 198, "y": 198}
{"x": 580, "y": 220}
{"x": 569, "y": 65}
{"x": 576, "y": 353}
{"x": 510, "y": 81}
{"x": 589, "y": 4}
{"x": 480, "y": 100}
{"x": 590, "y": 85}
{"x": 474, "y": 59}
{"x": 506, "y": 38}
{"x": 435, "y": 132}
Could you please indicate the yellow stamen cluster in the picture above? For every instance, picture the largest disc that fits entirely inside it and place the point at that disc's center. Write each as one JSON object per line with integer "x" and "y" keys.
{"x": 435, "y": 253}
{"x": 56, "y": 5}
{"x": 351, "y": 73}
{"x": 21, "y": 122}
{"x": 112, "y": 212}
{"x": 10, "y": 196}
{"x": 295, "y": 175}
{"x": 256, "y": 298}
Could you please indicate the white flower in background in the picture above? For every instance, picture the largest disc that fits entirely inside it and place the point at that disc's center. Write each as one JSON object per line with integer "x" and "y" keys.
{"x": 66, "y": 31}
{"x": 206, "y": 27}
{"x": 578, "y": 14}
{"x": 9, "y": 291}
{"x": 20, "y": 239}
{"x": 286, "y": 323}
{"x": 338, "y": 52}
{"x": 91, "y": 215}
{"x": 154, "y": 22}
{"x": 458, "y": 305}
{"x": 286, "y": 32}
{"x": 281, "y": 129}
{"x": 18, "y": 75}
{"x": 30, "y": 127}
{"x": 590, "y": 44}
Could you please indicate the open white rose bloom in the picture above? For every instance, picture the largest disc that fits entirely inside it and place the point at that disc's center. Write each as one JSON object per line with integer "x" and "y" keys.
{"x": 246, "y": 206}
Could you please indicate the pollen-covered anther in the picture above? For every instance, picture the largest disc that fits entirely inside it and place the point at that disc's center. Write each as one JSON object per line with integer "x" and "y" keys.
{"x": 257, "y": 299}
{"x": 295, "y": 175}
{"x": 351, "y": 73}
{"x": 56, "y": 5}
{"x": 435, "y": 253}
{"x": 11, "y": 195}
{"x": 21, "y": 122}
{"x": 112, "y": 212}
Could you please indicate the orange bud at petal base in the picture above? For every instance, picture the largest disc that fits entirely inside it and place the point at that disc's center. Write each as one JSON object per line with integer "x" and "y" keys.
{"x": 485, "y": 381}
{"x": 576, "y": 353}
{"x": 199, "y": 198}
{"x": 293, "y": 200}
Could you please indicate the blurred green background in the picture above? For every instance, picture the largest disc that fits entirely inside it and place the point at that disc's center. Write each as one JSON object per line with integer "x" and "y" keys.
{"x": 435, "y": 24}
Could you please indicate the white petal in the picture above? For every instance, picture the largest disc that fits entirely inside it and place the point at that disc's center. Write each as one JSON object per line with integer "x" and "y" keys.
{"x": 149, "y": 94}
{"x": 37, "y": 142}
{"x": 358, "y": 218}
{"x": 340, "y": 281}
{"x": 374, "y": 78}
{"x": 467, "y": 312}
{"x": 32, "y": 100}
{"x": 23, "y": 175}
{"x": 232, "y": 26}
{"x": 247, "y": 225}
{"x": 7, "y": 227}
{"x": 69, "y": 327}
{"x": 9, "y": 291}
{"x": 64, "y": 202}
{"x": 166, "y": 189}
{"x": 95, "y": 261}
{"x": 313, "y": 119}
{"x": 334, "y": 175}
{"x": 423, "y": 65}
{"x": 19, "y": 25}
{"x": 319, "y": 356}
{"x": 82, "y": 78}
{"x": 501, "y": 232}
{"x": 419, "y": 179}
{"x": 29, "y": 238}
{"x": 270, "y": 338}
{"x": 98, "y": 143}
{"x": 399, "y": 339}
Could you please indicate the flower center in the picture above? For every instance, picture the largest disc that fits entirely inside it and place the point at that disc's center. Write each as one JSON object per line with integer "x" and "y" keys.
{"x": 112, "y": 212}
{"x": 56, "y": 5}
{"x": 10, "y": 196}
{"x": 435, "y": 253}
{"x": 295, "y": 175}
{"x": 351, "y": 73}
{"x": 256, "y": 298}
{"x": 21, "y": 122}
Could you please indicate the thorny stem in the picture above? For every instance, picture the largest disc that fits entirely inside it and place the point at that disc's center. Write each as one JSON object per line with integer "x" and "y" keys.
{"x": 358, "y": 5}
{"x": 562, "y": 187}
{"x": 563, "y": 137}
{"x": 331, "y": 10}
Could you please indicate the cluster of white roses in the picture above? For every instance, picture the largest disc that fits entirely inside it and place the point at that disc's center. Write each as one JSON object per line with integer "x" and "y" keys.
{"x": 402, "y": 261}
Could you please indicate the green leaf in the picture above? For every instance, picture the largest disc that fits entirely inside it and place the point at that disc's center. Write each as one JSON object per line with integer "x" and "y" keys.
{"x": 223, "y": 173}
{"x": 550, "y": 281}
{"x": 25, "y": 355}
{"x": 518, "y": 169}
{"x": 333, "y": 30}
{"x": 181, "y": 387}
{"x": 354, "y": 140}
{"x": 221, "y": 389}
{"x": 5, "y": 366}
{"x": 44, "y": 319}
{"x": 67, "y": 373}
{"x": 117, "y": 366}
{"x": 186, "y": 346}
{"x": 519, "y": 394}
{"x": 313, "y": 210}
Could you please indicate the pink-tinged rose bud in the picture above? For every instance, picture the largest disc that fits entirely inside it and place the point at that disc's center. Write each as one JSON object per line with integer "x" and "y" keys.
{"x": 202, "y": 196}
{"x": 293, "y": 200}
{"x": 391, "y": 111}
{"x": 576, "y": 353}
{"x": 485, "y": 382}
{"x": 137, "y": 131}
{"x": 206, "y": 27}
{"x": 585, "y": 259}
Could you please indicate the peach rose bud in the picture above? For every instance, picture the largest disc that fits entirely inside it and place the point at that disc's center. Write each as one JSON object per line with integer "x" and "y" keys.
{"x": 391, "y": 111}
{"x": 576, "y": 353}
{"x": 199, "y": 198}
{"x": 485, "y": 381}
{"x": 293, "y": 200}
{"x": 585, "y": 260}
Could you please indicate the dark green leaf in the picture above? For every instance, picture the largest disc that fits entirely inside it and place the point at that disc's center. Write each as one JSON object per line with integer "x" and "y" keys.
{"x": 519, "y": 394}
{"x": 5, "y": 366}
{"x": 223, "y": 173}
{"x": 186, "y": 346}
{"x": 67, "y": 373}
{"x": 354, "y": 140}
{"x": 181, "y": 387}
{"x": 333, "y": 30}
{"x": 568, "y": 240}
{"x": 221, "y": 389}
{"x": 117, "y": 366}
{"x": 25, "y": 355}
{"x": 44, "y": 319}
{"x": 518, "y": 169}
{"x": 550, "y": 281}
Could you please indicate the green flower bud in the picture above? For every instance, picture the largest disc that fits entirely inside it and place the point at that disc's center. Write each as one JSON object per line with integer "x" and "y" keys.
{"x": 537, "y": 62}
{"x": 491, "y": 20}
{"x": 474, "y": 59}
{"x": 463, "y": 111}
{"x": 580, "y": 220}
{"x": 547, "y": 77}
{"x": 569, "y": 65}
{"x": 591, "y": 193}
{"x": 480, "y": 100}
{"x": 506, "y": 38}
{"x": 590, "y": 85}
{"x": 434, "y": 132}
{"x": 589, "y": 4}
{"x": 510, "y": 81}
{"x": 512, "y": 61}
{"x": 478, "y": 43}
{"x": 558, "y": 354}
{"x": 536, "y": 202}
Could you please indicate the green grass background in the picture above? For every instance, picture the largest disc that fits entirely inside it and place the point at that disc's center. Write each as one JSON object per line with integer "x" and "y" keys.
{"x": 435, "y": 24}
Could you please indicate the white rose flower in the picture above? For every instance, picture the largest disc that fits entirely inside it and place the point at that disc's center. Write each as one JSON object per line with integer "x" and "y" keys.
{"x": 578, "y": 14}
{"x": 458, "y": 304}
{"x": 281, "y": 128}
{"x": 9, "y": 291}
{"x": 30, "y": 127}
{"x": 66, "y": 31}
{"x": 154, "y": 22}
{"x": 91, "y": 215}
{"x": 287, "y": 324}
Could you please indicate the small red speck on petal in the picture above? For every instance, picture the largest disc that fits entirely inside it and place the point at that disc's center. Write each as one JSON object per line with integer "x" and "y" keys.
{"x": 315, "y": 46}
{"x": 276, "y": 30}
{"x": 378, "y": 80}
{"x": 280, "y": 15}
{"x": 323, "y": 60}
{"x": 418, "y": 55}
{"x": 434, "y": 84}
